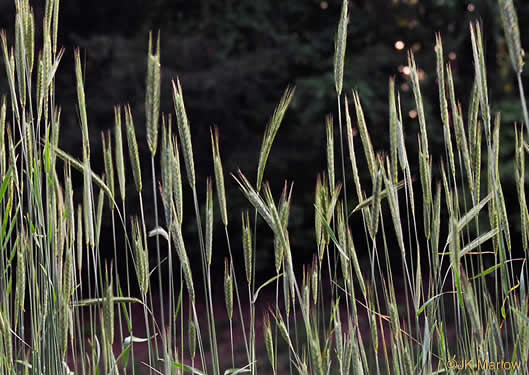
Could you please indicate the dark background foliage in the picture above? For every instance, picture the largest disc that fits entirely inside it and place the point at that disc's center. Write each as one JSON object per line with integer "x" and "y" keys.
{"x": 234, "y": 59}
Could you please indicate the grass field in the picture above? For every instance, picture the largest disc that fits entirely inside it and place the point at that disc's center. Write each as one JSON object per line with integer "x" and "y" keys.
{"x": 455, "y": 300}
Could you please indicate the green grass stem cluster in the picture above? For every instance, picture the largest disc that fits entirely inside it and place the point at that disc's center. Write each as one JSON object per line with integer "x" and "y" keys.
{"x": 440, "y": 289}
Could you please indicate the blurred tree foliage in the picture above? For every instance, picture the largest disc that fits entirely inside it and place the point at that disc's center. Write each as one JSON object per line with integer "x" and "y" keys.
{"x": 235, "y": 58}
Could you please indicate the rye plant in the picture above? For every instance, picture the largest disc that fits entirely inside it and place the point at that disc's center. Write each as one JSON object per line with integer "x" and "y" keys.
{"x": 457, "y": 299}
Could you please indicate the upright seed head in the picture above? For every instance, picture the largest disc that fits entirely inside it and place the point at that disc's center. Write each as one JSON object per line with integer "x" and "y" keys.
{"x": 269, "y": 340}
{"x": 120, "y": 161}
{"x": 20, "y": 59}
{"x": 20, "y": 289}
{"x": 81, "y": 101}
{"x": 228, "y": 288}
{"x": 184, "y": 260}
{"x": 247, "y": 246}
{"x": 209, "y": 222}
{"x": 133, "y": 149}
{"x": 314, "y": 279}
{"x": 192, "y": 335}
{"x": 271, "y": 131}
{"x": 5, "y": 334}
{"x": 67, "y": 275}
{"x": 64, "y": 323}
{"x": 318, "y": 208}
{"x": 108, "y": 314}
{"x": 339, "y": 48}
{"x": 184, "y": 132}
{"x": 3, "y": 110}
{"x": 393, "y": 132}
{"x": 142, "y": 257}
{"x": 512, "y": 34}
{"x": 79, "y": 239}
{"x": 109, "y": 167}
{"x": 330, "y": 151}
{"x": 99, "y": 213}
{"x": 177, "y": 179}
{"x": 364, "y": 135}
{"x": 70, "y": 210}
{"x": 167, "y": 173}
{"x": 152, "y": 96}
{"x": 219, "y": 175}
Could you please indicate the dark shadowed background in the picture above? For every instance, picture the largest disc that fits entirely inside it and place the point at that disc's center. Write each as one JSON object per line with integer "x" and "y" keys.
{"x": 235, "y": 58}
